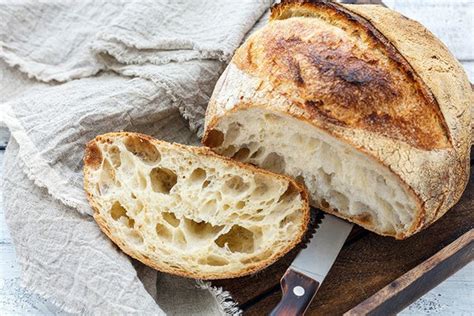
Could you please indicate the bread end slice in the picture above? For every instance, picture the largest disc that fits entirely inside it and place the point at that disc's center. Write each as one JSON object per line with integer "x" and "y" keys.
{"x": 187, "y": 211}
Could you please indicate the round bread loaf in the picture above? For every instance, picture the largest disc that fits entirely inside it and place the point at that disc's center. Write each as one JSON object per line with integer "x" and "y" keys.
{"x": 362, "y": 104}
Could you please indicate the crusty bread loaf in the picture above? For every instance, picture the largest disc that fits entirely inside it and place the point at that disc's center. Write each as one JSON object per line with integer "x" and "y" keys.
{"x": 186, "y": 211}
{"x": 363, "y": 105}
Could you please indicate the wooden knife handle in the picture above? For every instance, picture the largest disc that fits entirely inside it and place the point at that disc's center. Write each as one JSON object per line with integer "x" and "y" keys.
{"x": 298, "y": 291}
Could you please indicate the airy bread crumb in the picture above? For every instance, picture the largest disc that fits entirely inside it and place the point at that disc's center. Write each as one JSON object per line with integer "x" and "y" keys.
{"x": 187, "y": 211}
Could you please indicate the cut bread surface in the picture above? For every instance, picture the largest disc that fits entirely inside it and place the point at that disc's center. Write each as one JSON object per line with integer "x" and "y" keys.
{"x": 186, "y": 211}
{"x": 339, "y": 178}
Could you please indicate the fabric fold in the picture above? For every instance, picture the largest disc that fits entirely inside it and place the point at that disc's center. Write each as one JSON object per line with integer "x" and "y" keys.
{"x": 88, "y": 68}
{"x": 177, "y": 31}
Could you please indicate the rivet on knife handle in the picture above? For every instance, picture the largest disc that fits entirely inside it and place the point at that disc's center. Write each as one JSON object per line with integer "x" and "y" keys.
{"x": 297, "y": 292}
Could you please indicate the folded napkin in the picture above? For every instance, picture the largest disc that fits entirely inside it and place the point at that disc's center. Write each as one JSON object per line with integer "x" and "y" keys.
{"x": 72, "y": 70}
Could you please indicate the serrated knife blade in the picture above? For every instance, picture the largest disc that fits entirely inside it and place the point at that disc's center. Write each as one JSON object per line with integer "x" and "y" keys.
{"x": 306, "y": 273}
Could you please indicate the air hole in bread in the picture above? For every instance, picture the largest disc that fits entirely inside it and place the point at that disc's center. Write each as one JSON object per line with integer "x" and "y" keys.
{"x": 198, "y": 175}
{"x": 241, "y": 154}
{"x": 162, "y": 180}
{"x": 244, "y": 216}
{"x": 270, "y": 117}
{"x": 114, "y": 156}
{"x": 141, "y": 180}
{"x": 288, "y": 220}
{"x": 399, "y": 206}
{"x": 297, "y": 139}
{"x": 258, "y": 153}
{"x": 201, "y": 230}
{"x": 179, "y": 238}
{"x": 338, "y": 199}
{"x": 381, "y": 180}
{"x": 117, "y": 211}
{"x": 313, "y": 144}
{"x": 233, "y": 132}
{"x": 107, "y": 176}
{"x": 274, "y": 162}
{"x": 205, "y": 184}
{"x": 215, "y": 138}
{"x": 365, "y": 218}
{"x": 214, "y": 261}
{"x": 136, "y": 237}
{"x": 229, "y": 151}
{"x": 324, "y": 204}
{"x": 261, "y": 187}
{"x": 240, "y": 205}
{"x": 324, "y": 177}
{"x": 210, "y": 207}
{"x": 290, "y": 193}
{"x": 171, "y": 219}
{"x": 238, "y": 239}
{"x": 143, "y": 149}
{"x": 162, "y": 231}
{"x": 127, "y": 166}
{"x": 236, "y": 184}
{"x": 270, "y": 202}
{"x": 138, "y": 207}
{"x": 359, "y": 207}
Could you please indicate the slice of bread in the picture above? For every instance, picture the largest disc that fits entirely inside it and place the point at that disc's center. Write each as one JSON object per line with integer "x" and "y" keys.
{"x": 187, "y": 211}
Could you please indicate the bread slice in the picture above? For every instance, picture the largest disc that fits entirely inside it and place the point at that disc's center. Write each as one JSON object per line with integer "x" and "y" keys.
{"x": 186, "y": 211}
{"x": 363, "y": 105}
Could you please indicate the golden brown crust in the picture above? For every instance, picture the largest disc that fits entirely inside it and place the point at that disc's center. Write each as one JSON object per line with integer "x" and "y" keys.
{"x": 89, "y": 163}
{"x": 93, "y": 156}
{"x": 354, "y": 79}
{"x": 429, "y": 153}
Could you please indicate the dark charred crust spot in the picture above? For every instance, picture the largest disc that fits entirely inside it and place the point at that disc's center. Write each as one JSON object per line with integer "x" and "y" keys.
{"x": 354, "y": 81}
{"x": 376, "y": 119}
{"x": 93, "y": 155}
{"x": 314, "y": 103}
{"x": 295, "y": 71}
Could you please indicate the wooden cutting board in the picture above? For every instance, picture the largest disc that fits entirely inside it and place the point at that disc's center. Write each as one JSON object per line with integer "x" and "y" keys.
{"x": 373, "y": 274}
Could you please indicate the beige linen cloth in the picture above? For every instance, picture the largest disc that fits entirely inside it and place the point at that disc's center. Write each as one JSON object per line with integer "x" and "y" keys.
{"x": 70, "y": 70}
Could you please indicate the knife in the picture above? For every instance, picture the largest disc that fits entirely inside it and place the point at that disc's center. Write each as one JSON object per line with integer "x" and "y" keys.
{"x": 303, "y": 278}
